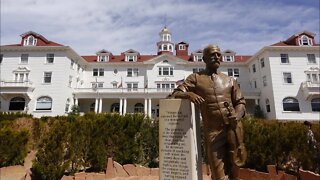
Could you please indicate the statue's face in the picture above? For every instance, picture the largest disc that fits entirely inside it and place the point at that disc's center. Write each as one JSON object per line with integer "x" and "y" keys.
{"x": 213, "y": 58}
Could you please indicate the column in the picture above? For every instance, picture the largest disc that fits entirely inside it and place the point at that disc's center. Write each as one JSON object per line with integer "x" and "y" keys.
{"x": 120, "y": 107}
{"x": 124, "y": 106}
{"x": 100, "y": 105}
{"x": 96, "y": 106}
{"x": 256, "y": 101}
{"x": 145, "y": 106}
{"x": 149, "y": 107}
{"x": 76, "y": 101}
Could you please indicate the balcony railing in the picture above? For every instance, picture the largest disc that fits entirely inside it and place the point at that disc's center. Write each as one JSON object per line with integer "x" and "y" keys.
{"x": 310, "y": 89}
{"x": 10, "y": 84}
{"x": 123, "y": 90}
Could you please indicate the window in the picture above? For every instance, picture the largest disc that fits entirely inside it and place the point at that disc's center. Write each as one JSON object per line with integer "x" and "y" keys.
{"x": 92, "y": 107}
{"x": 233, "y": 72}
{"x": 195, "y": 70}
{"x": 131, "y": 58}
{"x": 132, "y": 86}
{"x": 103, "y": 58}
{"x": 21, "y": 76}
{"x": 66, "y": 109}
{"x": 255, "y": 84}
{"x": 47, "y": 77}
{"x": 182, "y": 47}
{"x": 228, "y": 58}
{"x": 264, "y": 79}
{"x": 30, "y": 41}
{"x": 165, "y": 71}
{"x": 305, "y": 41}
{"x": 165, "y": 86}
{"x": 311, "y": 59}
{"x": 1, "y": 58}
{"x": 313, "y": 77}
{"x": 198, "y": 58}
{"x": 44, "y": 103}
{"x": 290, "y": 104}
{"x": 287, "y": 77}
{"x": 262, "y": 62}
{"x": 95, "y": 85}
{"x": 267, "y": 105}
{"x": 115, "y": 107}
{"x": 138, "y": 108}
{"x": 253, "y": 68}
{"x": 50, "y": 58}
{"x": 315, "y": 104}
{"x": 284, "y": 58}
{"x": 132, "y": 72}
{"x": 165, "y": 47}
{"x": 17, "y": 104}
{"x": 98, "y": 72}
{"x": 24, "y": 58}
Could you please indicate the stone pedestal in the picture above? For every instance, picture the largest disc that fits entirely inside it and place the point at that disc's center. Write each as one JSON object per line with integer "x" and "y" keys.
{"x": 179, "y": 141}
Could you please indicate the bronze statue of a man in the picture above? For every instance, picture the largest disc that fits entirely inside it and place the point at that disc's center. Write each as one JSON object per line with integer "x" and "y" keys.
{"x": 222, "y": 106}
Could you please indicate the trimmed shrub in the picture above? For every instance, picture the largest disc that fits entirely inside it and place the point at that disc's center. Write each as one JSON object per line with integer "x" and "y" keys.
{"x": 13, "y": 146}
{"x": 284, "y": 144}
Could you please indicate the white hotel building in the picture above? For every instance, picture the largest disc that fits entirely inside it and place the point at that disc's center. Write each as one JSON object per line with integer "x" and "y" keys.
{"x": 44, "y": 78}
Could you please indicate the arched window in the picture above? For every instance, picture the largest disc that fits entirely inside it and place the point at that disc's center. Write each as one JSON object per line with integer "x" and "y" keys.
{"x": 315, "y": 104}
{"x": 17, "y": 104}
{"x": 138, "y": 108}
{"x": 115, "y": 107}
{"x": 290, "y": 104}
{"x": 30, "y": 41}
{"x": 267, "y": 105}
{"x": 44, "y": 103}
{"x": 305, "y": 41}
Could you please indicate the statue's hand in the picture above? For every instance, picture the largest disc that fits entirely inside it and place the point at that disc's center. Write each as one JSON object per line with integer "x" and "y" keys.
{"x": 196, "y": 99}
{"x": 233, "y": 119}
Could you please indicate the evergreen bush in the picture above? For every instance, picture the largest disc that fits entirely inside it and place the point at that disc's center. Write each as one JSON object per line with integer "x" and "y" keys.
{"x": 13, "y": 146}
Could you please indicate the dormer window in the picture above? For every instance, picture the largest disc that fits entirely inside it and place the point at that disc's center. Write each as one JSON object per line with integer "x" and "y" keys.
{"x": 305, "y": 41}
{"x": 131, "y": 58}
{"x": 198, "y": 58}
{"x": 103, "y": 58}
{"x": 228, "y": 58}
{"x": 30, "y": 41}
{"x": 182, "y": 47}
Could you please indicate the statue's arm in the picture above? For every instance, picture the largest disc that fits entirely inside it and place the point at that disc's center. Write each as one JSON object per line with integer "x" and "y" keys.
{"x": 186, "y": 90}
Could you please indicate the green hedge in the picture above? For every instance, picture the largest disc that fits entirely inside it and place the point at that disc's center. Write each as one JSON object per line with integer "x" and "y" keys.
{"x": 83, "y": 143}
{"x": 13, "y": 146}
{"x": 284, "y": 144}
{"x": 73, "y": 143}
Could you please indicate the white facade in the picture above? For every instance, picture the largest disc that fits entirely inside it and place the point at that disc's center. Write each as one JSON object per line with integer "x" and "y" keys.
{"x": 45, "y": 78}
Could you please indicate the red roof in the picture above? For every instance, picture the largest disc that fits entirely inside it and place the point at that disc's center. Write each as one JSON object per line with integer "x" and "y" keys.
{"x": 242, "y": 58}
{"x": 142, "y": 58}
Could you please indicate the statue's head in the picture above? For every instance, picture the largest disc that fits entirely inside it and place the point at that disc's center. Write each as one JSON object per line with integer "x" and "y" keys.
{"x": 212, "y": 56}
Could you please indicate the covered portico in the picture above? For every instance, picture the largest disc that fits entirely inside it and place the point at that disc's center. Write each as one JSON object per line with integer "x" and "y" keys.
{"x": 144, "y": 100}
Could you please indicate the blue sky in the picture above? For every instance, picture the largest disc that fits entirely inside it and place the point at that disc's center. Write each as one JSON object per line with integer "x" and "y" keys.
{"x": 88, "y": 26}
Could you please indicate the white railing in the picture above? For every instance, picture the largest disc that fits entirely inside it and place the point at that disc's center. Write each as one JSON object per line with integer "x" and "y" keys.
{"x": 15, "y": 84}
{"x": 309, "y": 84}
{"x": 310, "y": 89}
{"x": 123, "y": 90}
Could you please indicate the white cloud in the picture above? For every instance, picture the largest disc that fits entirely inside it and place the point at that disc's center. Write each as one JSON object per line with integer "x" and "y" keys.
{"x": 118, "y": 25}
